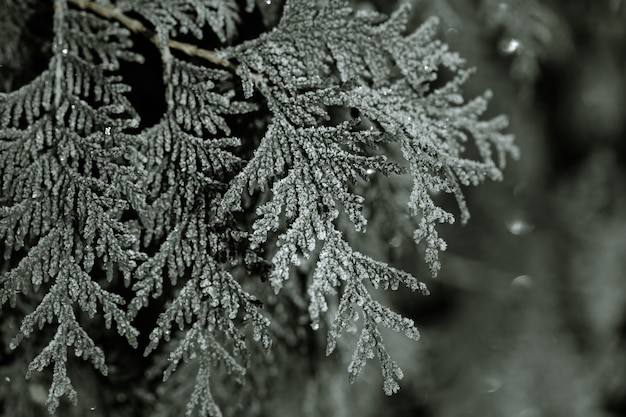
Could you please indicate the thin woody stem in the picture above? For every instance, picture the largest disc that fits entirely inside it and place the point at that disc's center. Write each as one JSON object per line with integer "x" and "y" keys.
{"x": 109, "y": 11}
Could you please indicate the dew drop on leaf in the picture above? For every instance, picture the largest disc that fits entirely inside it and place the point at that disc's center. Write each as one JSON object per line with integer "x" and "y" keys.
{"x": 510, "y": 46}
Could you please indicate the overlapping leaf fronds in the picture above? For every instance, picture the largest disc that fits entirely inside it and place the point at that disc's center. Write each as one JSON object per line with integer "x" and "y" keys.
{"x": 185, "y": 213}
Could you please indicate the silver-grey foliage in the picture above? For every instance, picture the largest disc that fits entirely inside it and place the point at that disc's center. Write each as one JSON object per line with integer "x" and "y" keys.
{"x": 91, "y": 200}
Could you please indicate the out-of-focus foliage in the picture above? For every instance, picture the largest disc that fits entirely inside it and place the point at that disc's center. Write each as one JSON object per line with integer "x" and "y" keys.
{"x": 23, "y": 24}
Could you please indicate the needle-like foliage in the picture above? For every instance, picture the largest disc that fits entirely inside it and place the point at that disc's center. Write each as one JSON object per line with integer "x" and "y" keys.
{"x": 252, "y": 171}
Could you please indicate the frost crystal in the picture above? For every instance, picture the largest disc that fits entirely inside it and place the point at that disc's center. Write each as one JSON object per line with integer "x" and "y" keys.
{"x": 254, "y": 177}
{"x": 60, "y": 155}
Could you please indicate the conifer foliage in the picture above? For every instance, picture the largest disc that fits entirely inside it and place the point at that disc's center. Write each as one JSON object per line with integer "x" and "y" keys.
{"x": 102, "y": 217}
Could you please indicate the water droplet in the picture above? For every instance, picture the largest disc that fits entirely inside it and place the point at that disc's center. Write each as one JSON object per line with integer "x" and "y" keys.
{"x": 65, "y": 51}
{"x": 370, "y": 171}
{"x": 427, "y": 68}
{"x": 530, "y": 412}
{"x": 268, "y": 2}
{"x": 491, "y": 384}
{"x": 7, "y": 379}
{"x": 93, "y": 408}
{"x": 523, "y": 281}
{"x": 452, "y": 32}
{"x": 107, "y": 130}
{"x": 315, "y": 326}
{"x": 510, "y": 46}
{"x": 395, "y": 241}
{"x": 38, "y": 393}
{"x": 519, "y": 226}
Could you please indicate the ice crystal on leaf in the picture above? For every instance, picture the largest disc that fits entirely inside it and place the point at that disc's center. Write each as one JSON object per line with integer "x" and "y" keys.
{"x": 64, "y": 186}
{"x": 102, "y": 217}
{"x": 431, "y": 125}
{"x": 188, "y": 162}
{"x": 188, "y": 16}
{"x": 339, "y": 265}
{"x": 360, "y": 61}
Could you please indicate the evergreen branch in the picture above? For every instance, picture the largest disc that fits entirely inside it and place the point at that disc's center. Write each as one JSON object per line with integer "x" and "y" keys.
{"x": 109, "y": 11}
{"x": 222, "y": 187}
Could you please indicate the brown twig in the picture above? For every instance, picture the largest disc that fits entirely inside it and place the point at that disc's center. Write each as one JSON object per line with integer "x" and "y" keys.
{"x": 109, "y": 11}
